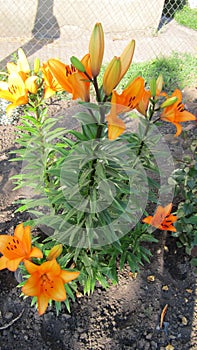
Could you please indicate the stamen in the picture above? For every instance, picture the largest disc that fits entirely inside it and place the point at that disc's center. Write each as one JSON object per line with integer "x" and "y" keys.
{"x": 180, "y": 107}
{"x": 131, "y": 100}
{"x": 70, "y": 70}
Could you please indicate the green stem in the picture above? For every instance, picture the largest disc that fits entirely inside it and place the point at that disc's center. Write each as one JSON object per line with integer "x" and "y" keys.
{"x": 150, "y": 113}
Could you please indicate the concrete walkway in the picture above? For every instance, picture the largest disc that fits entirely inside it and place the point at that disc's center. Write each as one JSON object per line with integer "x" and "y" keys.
{"x": 73, "y": 41}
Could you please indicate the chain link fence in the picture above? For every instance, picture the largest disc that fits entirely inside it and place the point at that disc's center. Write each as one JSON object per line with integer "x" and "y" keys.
{"x": 61, "y": 28}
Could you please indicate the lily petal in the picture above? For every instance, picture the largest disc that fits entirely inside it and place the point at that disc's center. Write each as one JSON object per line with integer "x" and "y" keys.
{"x": 43, "y": 301}
{"x": 68, "y": 276}
{"x": 35, "y": 253}
{"x": 32, "y": 286}
{"x": 147, "y": 220}
{"x": 3, "y": 262}
{"x": 58, "y": 293}
{"x": 12, "y": 265}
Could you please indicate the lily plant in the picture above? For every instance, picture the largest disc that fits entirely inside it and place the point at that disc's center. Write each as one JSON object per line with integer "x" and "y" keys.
{"x": 89, "y": 187}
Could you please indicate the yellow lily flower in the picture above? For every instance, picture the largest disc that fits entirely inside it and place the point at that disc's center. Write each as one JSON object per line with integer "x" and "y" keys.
{"x": 30, "y": 84}
{"x": 96, "y": 49}
{"x": 71, "y": 79}
{"x": 14, "y": 91}
{"x": 176, "y": 113}
{"x": 21, "y": 66}
{"x": 51, "y": 85}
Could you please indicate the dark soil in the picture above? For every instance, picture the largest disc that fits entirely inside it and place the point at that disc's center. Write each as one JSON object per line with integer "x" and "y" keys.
{"x": 126, "y": 316}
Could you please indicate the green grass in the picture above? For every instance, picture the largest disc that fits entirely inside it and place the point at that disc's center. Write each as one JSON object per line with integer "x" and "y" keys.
{"x": 178, "y": 71}
{"x": 187, "y": 17}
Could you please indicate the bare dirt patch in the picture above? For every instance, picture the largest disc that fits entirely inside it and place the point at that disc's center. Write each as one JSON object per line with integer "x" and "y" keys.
{"x": 126, "y": 316}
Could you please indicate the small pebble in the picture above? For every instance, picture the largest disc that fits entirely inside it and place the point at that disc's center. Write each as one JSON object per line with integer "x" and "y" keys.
{"x": 8, "y": 315}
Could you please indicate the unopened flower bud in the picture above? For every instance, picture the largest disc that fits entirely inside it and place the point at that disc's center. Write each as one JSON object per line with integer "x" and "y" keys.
{"x": 96, "y": 49}
{"x": 55, "y": 252}
{"x": 159, "y": 83}
{"x": 170, "y": 101}
{"x": 112, "y": 75}
{"x": 36, "y": 65}
{"x": 77, "y": 64}
{"x": 126, "y": 58}
{"x": 153, "y": 87}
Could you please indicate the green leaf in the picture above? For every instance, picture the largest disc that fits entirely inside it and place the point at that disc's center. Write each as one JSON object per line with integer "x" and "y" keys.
{"x": 102, "y": 280}
{"x": 90, "y": 130}
{"x": 67, "y": 303}
{"x": 54, "y": 134}
{"x": 85, "y": 118}
{"x": 191, "y": 220}
{"x": 58, "y": 307}
{"x": 69, "y": 291}
{"x": 78, "y": 135}
{"x": 88, "y": 285}
{"x": 32, "y": 119}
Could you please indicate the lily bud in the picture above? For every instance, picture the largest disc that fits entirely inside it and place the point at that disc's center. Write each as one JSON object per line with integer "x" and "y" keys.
{"x": 126, "y": 58}
{"x": 54, "y": 252}
{"x": 36, "y": 65}
{"x": 170, "y": 101}
{"x": 159, "y": 83}
{"x": 112, "y": 75}
{"x": 96, "y": 49}
{"x": 77, "y": 64}
{"x": 30, "y": 84}
{"x": 153, "y": 87}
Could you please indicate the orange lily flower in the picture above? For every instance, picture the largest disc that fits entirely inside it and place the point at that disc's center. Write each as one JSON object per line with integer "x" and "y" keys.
{"x": 130, "y": 96}
{"x": 162, "y": 219}
{"x": 47, "y": 282}
{"x": 176, "y": 113}
{"x": 124, "y": 102}
{"x": 17, "y": 248}
{"x": 116, "y": 127}
{"x": 14, "y": 91}
{"x": 51, "y": 85}
{"x": 144, "y": 102}
{"x": 71, "y": 79}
